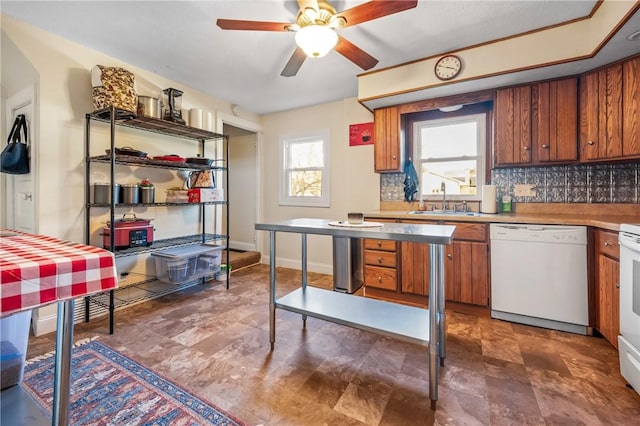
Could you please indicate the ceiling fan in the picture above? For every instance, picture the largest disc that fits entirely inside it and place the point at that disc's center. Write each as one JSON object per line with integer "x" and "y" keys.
{"x": 315, "y": 29}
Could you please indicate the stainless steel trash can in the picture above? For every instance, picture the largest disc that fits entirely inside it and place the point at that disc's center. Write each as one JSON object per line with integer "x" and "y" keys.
{"x": 347, "y": 262}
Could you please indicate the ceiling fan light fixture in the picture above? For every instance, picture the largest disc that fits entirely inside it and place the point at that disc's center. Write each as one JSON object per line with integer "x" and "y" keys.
{"x": 316, "y": 40}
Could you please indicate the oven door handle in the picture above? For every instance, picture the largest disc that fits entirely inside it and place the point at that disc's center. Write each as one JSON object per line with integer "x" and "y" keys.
{"x": 629, "y": 241}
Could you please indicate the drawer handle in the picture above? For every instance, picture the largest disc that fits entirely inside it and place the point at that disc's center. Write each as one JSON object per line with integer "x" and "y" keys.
{"x": 379, "y": 243}
{"x": 544, "y": 145}
{"x": 591, "y": 143}
{"x": 379, "y": 279}
{"x": 449, "y": 255}
{"x": 379, "y": 260}
{"x": 607, "y": 244}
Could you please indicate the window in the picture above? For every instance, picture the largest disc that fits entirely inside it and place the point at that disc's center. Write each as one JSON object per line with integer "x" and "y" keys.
{"x": 450, "y": 152}
{"x": 304, "y": 170}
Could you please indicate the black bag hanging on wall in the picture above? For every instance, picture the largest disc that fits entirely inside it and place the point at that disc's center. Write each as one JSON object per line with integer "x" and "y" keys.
{"x": 15, "y": 156}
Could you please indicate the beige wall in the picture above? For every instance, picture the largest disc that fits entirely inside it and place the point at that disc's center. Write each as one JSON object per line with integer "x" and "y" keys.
{"x": 354, "y": 185}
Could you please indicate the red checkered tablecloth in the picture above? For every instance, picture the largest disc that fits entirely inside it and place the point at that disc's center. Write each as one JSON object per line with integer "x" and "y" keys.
{"x": 36, "y": 270}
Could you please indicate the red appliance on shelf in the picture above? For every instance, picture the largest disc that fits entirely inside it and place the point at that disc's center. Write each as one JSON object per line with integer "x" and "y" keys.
{"x": 129, "y": 231}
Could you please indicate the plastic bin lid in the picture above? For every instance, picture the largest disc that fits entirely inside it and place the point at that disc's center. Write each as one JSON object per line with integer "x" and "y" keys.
{"x": 179, "y": 253}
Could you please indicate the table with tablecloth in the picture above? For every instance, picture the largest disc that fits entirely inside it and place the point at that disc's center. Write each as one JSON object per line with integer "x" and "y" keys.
{"x": 36, "y": 270}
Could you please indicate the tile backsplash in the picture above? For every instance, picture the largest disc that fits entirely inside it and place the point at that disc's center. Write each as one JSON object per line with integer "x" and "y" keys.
{"x": 592, "y": 183}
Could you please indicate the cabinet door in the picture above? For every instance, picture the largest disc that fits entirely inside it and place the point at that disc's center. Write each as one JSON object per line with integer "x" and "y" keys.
{"x": 467, "y": 273}
{"x": 380, "y": 277}
{"x": 415, "y": 268}
{"x": 608, "y": 314}
{"x": 601, "y": 114}
{"x": 555, "y": 121}
{"x": 513, "y": 126}
{"x": 386, "y": 145}
{"x": 631, "y": 108}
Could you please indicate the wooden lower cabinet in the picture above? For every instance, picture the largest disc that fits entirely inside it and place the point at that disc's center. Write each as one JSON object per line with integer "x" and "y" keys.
{"x": 466, "y": 266}
{"x": 467, "y": 273}
{"x": 607, "y": 275}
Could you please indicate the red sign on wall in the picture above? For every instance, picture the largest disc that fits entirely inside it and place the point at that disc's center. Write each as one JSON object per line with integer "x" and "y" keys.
{"x": 361, "y": 134}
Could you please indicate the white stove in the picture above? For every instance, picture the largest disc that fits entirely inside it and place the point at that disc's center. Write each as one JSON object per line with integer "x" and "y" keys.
{"x": 629, "y": 338}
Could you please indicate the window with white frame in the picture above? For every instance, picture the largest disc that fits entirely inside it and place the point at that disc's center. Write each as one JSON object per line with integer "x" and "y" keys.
{"x": 304, "y": 170}
{"x": 449, "y": 153}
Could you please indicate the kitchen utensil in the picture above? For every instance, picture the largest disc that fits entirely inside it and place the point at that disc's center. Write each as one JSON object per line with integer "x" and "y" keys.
{"x": 172, "y": 99}
{"x": 149, "y": 107}
{"x": 200, "y": 160}
{"x": 171, "y": 157}
{"x": 102, "y": 193}
{"x": 127, "y": 150}
{"x": 129, "y": 231}
{"x": 147, "y": 194}
{"x": 130, "y": 193}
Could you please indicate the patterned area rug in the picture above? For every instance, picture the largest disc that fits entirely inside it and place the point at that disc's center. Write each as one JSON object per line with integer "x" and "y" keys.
{"x": 110, "y": 389}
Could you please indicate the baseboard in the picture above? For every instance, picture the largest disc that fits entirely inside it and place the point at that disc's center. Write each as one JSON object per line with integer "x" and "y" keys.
{"x": 237, "y": 245}
{"x": 320, "y": 268}
{"x": 44, "y": 320}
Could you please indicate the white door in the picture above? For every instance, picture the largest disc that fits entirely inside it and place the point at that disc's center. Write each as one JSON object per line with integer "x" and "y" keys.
{"x": 19, "y": 195}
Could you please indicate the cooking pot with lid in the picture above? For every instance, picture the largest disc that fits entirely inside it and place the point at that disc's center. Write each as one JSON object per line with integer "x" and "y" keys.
{"x": 129, "y": 231}
{"x": 149, "y": 107}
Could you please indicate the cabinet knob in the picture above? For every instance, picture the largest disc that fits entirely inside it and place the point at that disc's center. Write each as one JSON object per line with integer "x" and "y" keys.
{"x": 379, "y": 243}
{"x": 393, "y": 157}
{"x": 544, "y": 145}
{"x": 617, "y": 285}
{"x": 591, "y": 143}
{"x": 379, "y": 279}
{"x": 379, "y": 260}
{"x": 526, "y": 148}
{"x": 607, "y": 244}
{"x": 449, "y": 255}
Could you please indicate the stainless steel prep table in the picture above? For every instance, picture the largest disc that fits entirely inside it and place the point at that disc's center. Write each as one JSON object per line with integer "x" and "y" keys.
{"x": 423, "y": 326}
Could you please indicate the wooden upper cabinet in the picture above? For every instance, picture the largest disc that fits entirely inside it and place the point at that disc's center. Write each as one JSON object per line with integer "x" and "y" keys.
{"x": 554, "y": 130}
{"x": 513, "y": 126}
{"x": 387, "y": 145}
{"x": 631, "y": 108}
{"x": 601, "y": 114}
{"x": 610, "y": 112}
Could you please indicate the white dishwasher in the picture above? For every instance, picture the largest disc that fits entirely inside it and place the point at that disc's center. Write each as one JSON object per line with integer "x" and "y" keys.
{"x": 539, "y": 276}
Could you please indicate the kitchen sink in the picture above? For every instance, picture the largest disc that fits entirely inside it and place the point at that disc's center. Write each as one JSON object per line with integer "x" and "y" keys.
{"x": 442, "y": 213}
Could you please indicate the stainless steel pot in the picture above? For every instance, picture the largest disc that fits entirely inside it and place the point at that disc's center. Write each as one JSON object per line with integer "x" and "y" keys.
{"x": 102, "y": 193}
{"x": 149, "y": 107}
{"x": 130, "y": 193}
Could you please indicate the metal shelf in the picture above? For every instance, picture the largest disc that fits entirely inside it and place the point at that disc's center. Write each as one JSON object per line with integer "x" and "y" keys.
{"x": 130, "y": 160}
{"x": 186, "y": 240}
{"x": 129, "y": 205}
{"x": 156, "y": 125}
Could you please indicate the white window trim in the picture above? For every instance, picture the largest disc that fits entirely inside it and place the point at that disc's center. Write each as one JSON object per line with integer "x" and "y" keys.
{"x": 481, "y": 120}
{"x": 325, "y": 199}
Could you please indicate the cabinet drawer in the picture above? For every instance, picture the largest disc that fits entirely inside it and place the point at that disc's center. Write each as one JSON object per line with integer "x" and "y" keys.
{"x": 380, "y": 258}
{"x": 469, "y": 231}
{"x": 386, "y": 245}
{"x": 607, "y": 243}
{"x": 379, "y": 277}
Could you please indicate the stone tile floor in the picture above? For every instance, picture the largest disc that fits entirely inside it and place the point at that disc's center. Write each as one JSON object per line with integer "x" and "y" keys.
{"x": 215, "y": 342}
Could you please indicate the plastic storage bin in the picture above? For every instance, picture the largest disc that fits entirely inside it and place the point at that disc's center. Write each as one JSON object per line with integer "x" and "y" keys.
{"x": 184, "y": 264}
{"x": 14, "y": 337}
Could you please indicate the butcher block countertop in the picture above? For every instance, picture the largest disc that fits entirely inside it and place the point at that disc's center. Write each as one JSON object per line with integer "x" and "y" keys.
{"x": 604, "y": 216}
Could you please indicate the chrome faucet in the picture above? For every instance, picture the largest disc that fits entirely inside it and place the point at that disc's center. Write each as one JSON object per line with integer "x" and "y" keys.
{"x": 443, "y": 189}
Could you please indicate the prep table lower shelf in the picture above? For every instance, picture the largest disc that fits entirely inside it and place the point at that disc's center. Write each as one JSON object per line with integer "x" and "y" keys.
{"x": 390, "y": 319}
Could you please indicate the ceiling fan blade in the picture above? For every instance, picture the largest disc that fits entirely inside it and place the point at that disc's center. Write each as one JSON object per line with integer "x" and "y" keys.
{"x": 355, "y": 54}
{"x": 236, "y": 24}
{"x": 375, "y": 9}
{"x": 294, "y": 64}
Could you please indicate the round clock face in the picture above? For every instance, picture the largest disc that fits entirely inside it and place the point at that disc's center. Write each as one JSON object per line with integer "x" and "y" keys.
{"x": 448, "y": 67}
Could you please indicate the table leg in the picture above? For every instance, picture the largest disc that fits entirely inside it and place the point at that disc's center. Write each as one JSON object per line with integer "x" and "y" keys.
{"x": 62, "y": 375}
{"x": 436, "y": 287}
{"x": 272, "y": 288}
{"x": 304, "y": 271}
{"x": 442, "y": 316}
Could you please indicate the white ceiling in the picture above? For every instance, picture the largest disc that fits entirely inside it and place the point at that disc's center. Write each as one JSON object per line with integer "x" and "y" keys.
{"x": 180, "y": 40}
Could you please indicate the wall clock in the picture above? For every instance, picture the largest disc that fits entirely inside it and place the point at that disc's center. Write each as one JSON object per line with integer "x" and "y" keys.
{"x": 448, "y": 67}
